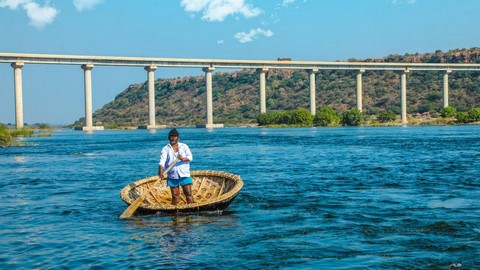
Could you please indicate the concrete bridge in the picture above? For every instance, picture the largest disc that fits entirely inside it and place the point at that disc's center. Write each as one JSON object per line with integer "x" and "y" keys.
{"x": 87, "y": 63}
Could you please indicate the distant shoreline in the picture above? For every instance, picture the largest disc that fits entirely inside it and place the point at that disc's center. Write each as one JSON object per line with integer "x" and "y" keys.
{"x": 414, "y": 121}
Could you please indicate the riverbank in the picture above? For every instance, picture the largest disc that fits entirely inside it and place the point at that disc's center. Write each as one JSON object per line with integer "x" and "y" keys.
{"x": 9, "y": 137}
{"x": 418, "y": 119}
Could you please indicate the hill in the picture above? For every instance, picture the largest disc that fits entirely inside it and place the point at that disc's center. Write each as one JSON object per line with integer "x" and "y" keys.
{"x": 182, "y": 101}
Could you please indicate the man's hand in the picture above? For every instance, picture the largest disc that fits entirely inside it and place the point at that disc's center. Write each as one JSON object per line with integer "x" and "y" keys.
{"x": 160, "y": 173}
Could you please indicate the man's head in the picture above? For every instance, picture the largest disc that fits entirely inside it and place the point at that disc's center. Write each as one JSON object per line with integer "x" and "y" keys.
{"x": 173, "y": 136}
{"x": 173, "y": 132}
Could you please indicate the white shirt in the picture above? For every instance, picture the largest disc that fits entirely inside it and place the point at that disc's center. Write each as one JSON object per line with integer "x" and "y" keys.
{"x": 168, "y": 156}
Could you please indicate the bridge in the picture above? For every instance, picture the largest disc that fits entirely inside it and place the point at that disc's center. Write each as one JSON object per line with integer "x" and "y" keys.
{"x": 87, "y": 63}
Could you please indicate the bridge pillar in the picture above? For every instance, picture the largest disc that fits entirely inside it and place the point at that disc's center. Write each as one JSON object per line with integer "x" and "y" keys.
{"x": 87, "y": 70}
{"x": 360, "y": 90}
{"x": 17, "y": 73}
{"x": 311, "y": 72}
{"x": 263, "y": 99}
{"x": 445, "y": 88}
{"x": 151, "y": 99}
{"x": 208, "y": 83}
{"x": 403, "y": 95}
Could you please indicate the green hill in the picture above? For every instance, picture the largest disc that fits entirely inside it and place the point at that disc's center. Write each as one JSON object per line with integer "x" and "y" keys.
{"x": 182, "y": 101}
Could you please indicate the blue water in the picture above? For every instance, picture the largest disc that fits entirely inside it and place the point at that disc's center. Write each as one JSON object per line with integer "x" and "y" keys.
{"x": 343, "y": 198}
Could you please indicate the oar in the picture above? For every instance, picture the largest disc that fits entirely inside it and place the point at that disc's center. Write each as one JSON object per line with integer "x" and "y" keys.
{"x": 138, "y": 201}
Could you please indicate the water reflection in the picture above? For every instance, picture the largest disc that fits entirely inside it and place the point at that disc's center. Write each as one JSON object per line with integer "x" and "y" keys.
{"x": 177, "y": 239}
{"x": 20, "y": 159}
{"x": 160, "y": 221}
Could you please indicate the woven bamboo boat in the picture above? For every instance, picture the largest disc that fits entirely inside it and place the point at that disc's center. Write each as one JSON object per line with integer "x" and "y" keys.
{"x": 212, "y": 191}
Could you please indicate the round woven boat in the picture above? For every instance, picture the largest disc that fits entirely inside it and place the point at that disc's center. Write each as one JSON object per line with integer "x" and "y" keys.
{"x": 212, "y": 191}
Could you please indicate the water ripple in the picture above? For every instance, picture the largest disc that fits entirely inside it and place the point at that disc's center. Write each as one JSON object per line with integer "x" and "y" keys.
{"x": 342, "y": 198}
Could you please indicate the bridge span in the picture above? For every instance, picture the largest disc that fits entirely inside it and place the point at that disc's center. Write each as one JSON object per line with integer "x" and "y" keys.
{"x": 87, "y": 63}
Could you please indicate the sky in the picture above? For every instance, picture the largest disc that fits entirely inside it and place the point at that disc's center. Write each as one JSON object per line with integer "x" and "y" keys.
{"x": 303, "y": 30}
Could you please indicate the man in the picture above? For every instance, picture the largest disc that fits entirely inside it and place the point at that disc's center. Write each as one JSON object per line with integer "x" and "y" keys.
{"x": 179, "y": 175}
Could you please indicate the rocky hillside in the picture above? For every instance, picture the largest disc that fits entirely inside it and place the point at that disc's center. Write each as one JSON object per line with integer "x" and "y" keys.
{"x": 182, "y": 101}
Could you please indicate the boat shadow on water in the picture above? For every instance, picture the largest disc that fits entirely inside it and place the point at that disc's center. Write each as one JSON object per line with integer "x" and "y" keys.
{"x": 169, "y": 229}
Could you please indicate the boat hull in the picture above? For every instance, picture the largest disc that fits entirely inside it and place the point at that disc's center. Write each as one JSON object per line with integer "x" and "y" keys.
{"x": 212, "y": 191}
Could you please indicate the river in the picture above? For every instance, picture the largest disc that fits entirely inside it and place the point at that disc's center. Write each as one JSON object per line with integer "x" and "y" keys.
{"x": 313, "y": 198}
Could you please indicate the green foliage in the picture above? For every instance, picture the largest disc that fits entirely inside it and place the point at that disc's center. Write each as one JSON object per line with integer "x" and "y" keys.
{"x": 269, "y": 118}
{"x": 326, "y": 117}
{"x": 448, "y": 112}
{"x": 5, "y": 136}
{"x": 44, "y": 126}
{"x": 473, "y": 115}
{"x": 23, "y": 132}
{"x": 386, "y": 116}
{"x": 462, "y": 117}
{"x": 182, "y": 101}
{"x": 354, "y": 117}
{"x": 300, "y": 117}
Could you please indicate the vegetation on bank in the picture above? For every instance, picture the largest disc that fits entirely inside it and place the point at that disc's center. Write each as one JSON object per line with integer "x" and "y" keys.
{"x": 8, "y": 135}
{"x": 182, "y": 101}
{"x": 329, "y": 117}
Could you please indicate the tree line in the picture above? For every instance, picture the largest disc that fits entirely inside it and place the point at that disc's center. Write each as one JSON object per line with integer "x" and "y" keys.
{"x": 329, "y": 117}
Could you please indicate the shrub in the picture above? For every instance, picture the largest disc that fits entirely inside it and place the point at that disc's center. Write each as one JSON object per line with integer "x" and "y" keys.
{"x": 23, "y": 132}
{"x": 326, "y": 117}
{"x": 386, "y": 116}
{"x": 5, "y": 137}
{"x": 474, "y": 114}
{"x": 354, "y": 117}
{"x": 298, "y": 117}
{"x": 462, "y": 117}
{"x": 44, "y": 126}
{"x": 302, "y": 117}
{"x": 284, "y": 117}
{"x": 448, "y": 112}
{"x": 267, "y": 118}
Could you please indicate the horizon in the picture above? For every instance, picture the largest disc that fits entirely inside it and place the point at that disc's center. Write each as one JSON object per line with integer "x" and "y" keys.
{"x": 234, "y": 29}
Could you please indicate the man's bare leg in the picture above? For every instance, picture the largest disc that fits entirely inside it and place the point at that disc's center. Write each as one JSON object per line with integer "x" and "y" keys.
{"x": 187, "y": 190}
{"x": 175, "y": 195}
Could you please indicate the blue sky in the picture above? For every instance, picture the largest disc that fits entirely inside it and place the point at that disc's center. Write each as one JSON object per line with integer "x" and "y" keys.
{"x": 304, "y": 30}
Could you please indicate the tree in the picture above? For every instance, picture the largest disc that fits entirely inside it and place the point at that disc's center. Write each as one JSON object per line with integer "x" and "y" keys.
{"x": 302, "y": 117}
{"x": 268, "y": 118}
{"x": 474, "y": 114}
{"x": 354, "y": 117}
{"x": 462, "y": 117}
{"x": 448, "y": 112}
{"x": 386, "y": 116}
{"x": 326, "y": 117}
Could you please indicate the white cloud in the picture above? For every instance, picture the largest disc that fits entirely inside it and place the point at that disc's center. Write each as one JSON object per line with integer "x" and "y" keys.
{"x": 287, "y": 2}
{"x": 220, "y": 42}
{"x": 82, "y": 5}
{"x": 12, "y": 4}
{"x": 218, "y": 10}
{"x": 253, "y": 34}
{"x": 39, "y": 16}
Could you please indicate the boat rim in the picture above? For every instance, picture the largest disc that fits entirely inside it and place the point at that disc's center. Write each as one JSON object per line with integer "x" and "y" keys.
{"x": 124, "y": 193}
